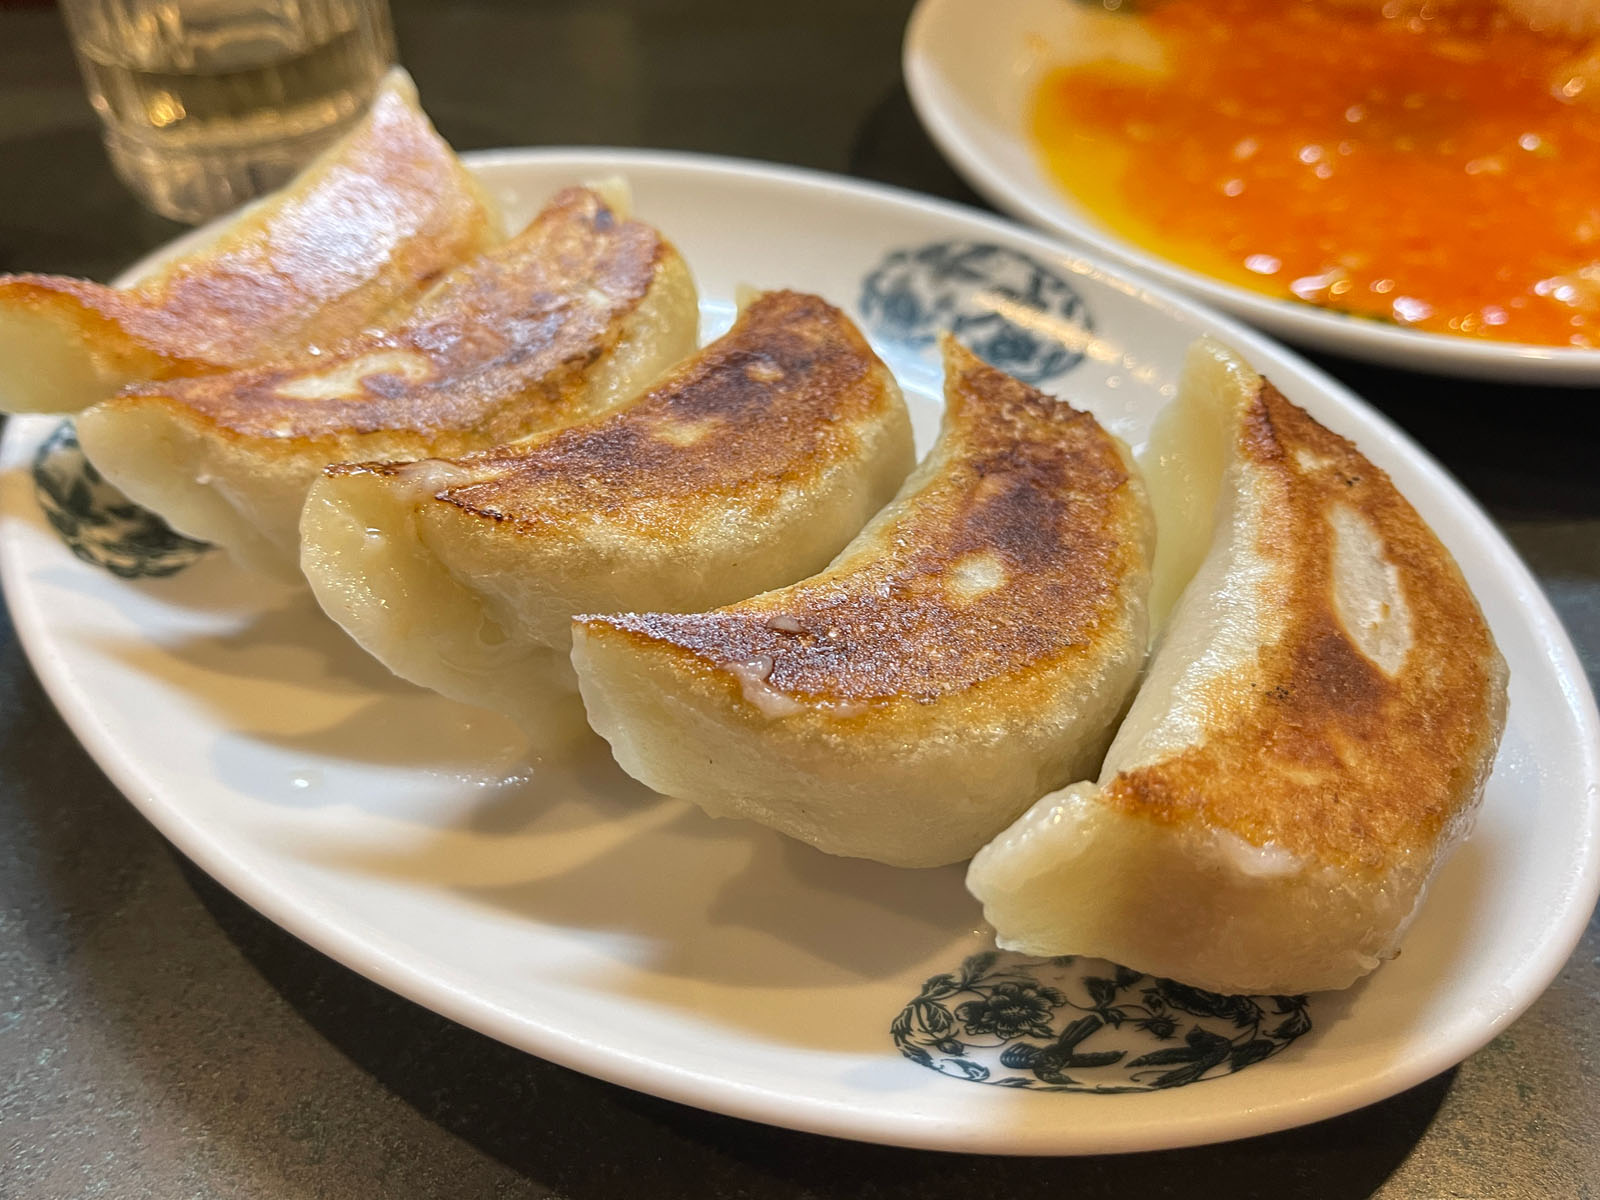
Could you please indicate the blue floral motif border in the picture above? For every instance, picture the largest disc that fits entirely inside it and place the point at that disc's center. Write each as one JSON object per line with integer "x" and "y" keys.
{"x": 98, "y": 523}
{"x": 1084, "y": 1025}
{"x": 1011, "y": 310}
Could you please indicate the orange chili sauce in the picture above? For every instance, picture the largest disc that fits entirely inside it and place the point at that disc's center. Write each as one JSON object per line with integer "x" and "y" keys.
{"x": 1438, "y": 167}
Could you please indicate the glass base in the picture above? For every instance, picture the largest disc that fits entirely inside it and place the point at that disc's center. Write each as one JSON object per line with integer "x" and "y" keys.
{"x": 196, "y": 185}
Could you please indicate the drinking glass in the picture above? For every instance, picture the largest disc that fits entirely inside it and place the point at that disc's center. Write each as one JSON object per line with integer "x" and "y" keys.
{"x": 206, "y": 103}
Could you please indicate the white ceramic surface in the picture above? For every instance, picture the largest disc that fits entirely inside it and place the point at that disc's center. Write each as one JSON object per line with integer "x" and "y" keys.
{"x": 971, "y": 67}
{"x": 564, "y": 910}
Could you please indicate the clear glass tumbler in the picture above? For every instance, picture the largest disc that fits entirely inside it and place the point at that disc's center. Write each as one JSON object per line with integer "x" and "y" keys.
{"x": 206, "y": 103}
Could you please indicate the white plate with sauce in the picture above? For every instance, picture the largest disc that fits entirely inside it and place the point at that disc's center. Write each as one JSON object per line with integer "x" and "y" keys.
{"x": 568, "y": 912}
{"x": 972, "y": 69}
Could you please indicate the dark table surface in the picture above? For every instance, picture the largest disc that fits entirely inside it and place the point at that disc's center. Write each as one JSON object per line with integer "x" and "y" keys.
{"x": 160, "y": 1039}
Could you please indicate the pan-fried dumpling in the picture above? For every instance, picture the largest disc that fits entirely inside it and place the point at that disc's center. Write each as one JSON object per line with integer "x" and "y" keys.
{"x": 1312, "y": 738}
{"x": 365, "y": 227}
{"x": 968, "y": 651}
{"x": 747, "y": 466}
{"x": 577, "y": 313}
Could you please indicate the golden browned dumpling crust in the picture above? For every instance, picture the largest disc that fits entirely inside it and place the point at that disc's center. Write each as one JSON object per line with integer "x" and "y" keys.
{"x": 970, "y": 650}
{"x": 366, "y": 227}
{"x": 493, "y": 353}
{"x": 743, "y": 468}
{"x": 1009, "y": 562}
{"x": 570, "y": 318}
{"x": 1312, "y": 736}
{"x": 756, "y": 417}
{"x": 1347, "y": 764}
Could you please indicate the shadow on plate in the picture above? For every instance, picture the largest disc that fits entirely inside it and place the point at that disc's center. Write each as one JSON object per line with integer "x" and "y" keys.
{"x": 691, "y": 911}
{"x": 186, "y": 1016}
{"x": 289, "y": 678}
{"x": 1450, "y": 924}
{"x": 570, "y": 845}
{"x": 587, "y": 1140}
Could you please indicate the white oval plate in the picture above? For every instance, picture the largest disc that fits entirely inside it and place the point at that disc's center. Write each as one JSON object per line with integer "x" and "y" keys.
{"x": 570, "y": 913}
{"x": 971, "y": 67}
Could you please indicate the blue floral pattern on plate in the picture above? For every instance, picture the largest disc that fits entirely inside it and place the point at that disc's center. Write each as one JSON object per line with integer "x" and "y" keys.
{"x": 1085, "y": 1025}
{"x": 1010, "y": 309}
{"x": 98, "y": 523}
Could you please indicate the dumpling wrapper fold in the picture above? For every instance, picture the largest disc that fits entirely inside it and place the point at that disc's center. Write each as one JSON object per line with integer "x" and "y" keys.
{"x": 364, "y": 228}
{"x": 745, "y": 467}
{"x": 968, "y": 651}
{"x": 574, "y": 315}
{"x": 1312, "y": 738}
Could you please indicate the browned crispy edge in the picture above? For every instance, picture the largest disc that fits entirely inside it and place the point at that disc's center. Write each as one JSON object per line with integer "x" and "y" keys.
{"x": 1325, "y": 754}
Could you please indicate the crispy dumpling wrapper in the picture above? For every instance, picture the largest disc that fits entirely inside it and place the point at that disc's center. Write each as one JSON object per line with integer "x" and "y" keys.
{"x": 971, "y": 649}
{"x": 1312, "y": 738}
{"x": 364, "y": 228}
{"x": 745, "y": 467}
{"x": 573, "y": 316}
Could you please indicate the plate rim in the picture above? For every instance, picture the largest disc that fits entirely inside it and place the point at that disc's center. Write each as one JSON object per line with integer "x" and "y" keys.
{"x": 372, "y": 952}
{"x": 1302, "y": 324}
